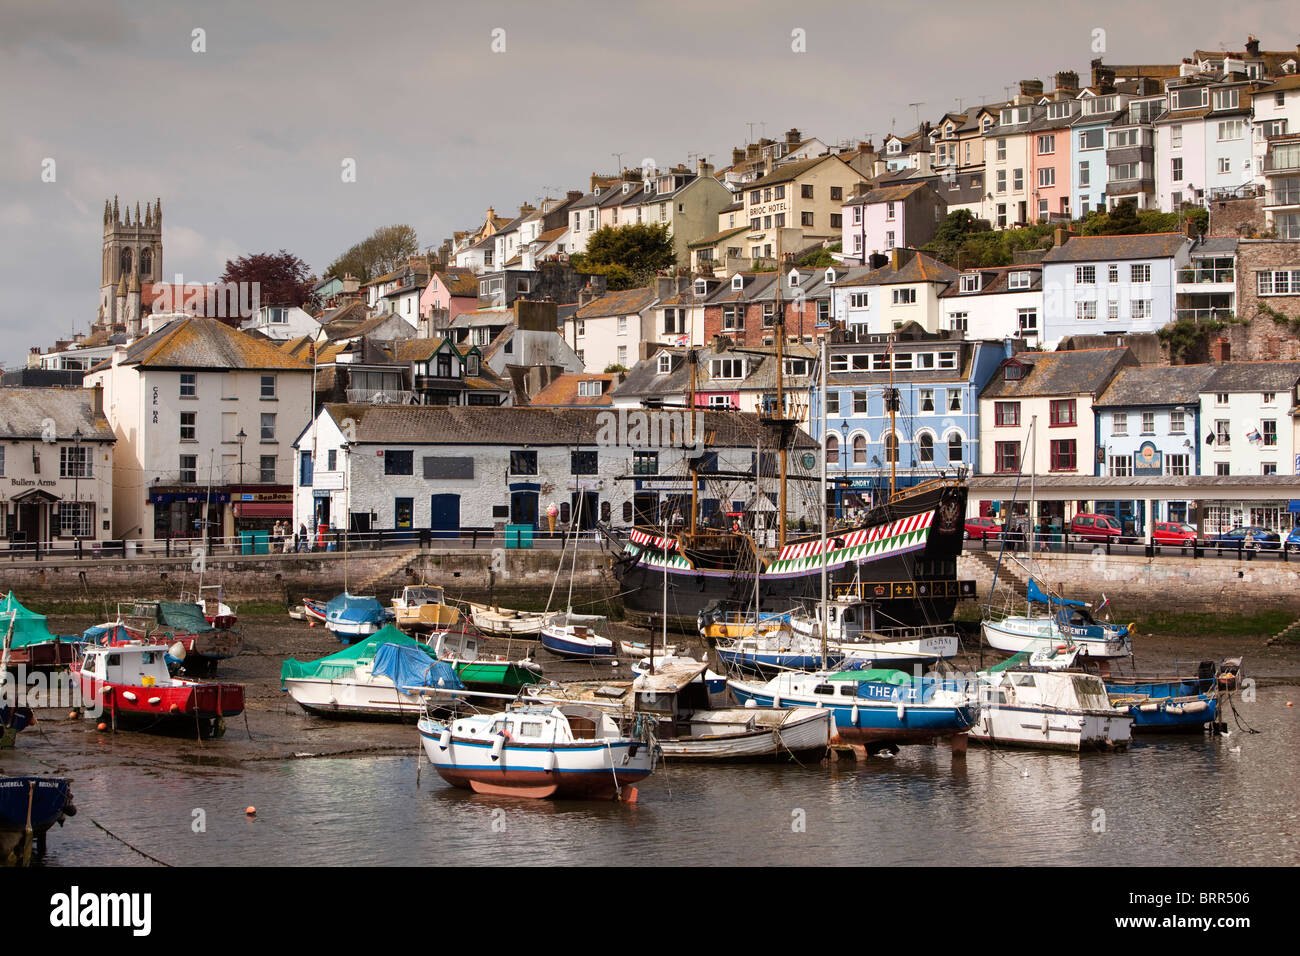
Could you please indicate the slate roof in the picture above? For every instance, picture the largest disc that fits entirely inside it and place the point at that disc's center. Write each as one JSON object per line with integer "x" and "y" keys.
{"x": 196, "y": 342}
{"x": 1255, "y": 377}
{"x": 886, "y": 194}
{"x": 562, "y": 392}
{"x": 24, "y": 412}
{"x": 1157, "y": 385}
{"x": 1154, "y": 245}
{"x": 1083, "y": 372}
{"x": 995, "y": 281}
{"x": 475, "y": 425}
{"x": 792, "y": 171}
{"x": 625, "y": 302}
{"x": 919, "y": 268}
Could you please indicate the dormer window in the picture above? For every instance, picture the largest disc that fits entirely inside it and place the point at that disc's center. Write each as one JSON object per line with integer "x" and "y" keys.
{"x": 1013, "y": 372}
{"x": 970, "y": 282}
{"x": 590, "y": 389}
{"x": 471, "y": 364}
{"x": 701, "y": 287}
{"x": 738, "y": 282}
{"x": 627, "y": 188}
{"x": 794, "y": 277}
{"x": 830, "y": 276}
{"x": 1018, "y": 280}
{"x": 665, "y": 364}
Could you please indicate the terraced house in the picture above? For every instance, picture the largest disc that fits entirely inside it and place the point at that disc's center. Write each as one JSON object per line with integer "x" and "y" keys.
{"x": 803, "y": 201}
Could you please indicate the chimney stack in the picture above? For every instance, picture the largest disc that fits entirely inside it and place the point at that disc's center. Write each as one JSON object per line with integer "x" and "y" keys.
{"x": 1067, "y": 81}
{"x": 703, "y": 168}
{"x": 1031, "y": 87}
{"x": 792, "y": 137}
{"x": 737, "y": 156}
{"x": 1252, "y": 46}
{"x": 97, "y": 401}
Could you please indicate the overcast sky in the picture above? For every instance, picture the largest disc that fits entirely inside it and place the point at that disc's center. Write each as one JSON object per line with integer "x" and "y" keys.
{"x": 245, "y": 142}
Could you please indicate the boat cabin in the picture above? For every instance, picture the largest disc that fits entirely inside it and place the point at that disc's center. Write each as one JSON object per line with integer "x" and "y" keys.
{"x": 454, "y": 644}
{"x": 415, "y": 595}
{"x": 140, "y": 665}
{"x": 1055, "y": 689}
{"x": 543, "y": 725}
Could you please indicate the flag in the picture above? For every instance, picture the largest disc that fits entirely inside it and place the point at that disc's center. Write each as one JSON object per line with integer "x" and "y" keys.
{"x": 1253, "y": 435}
{"x": 1104, "y": 601}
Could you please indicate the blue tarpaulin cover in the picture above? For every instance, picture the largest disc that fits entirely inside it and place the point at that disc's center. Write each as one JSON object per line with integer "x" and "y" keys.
{"x": 105, "y": 633}
{"x": 1037, "y": 596}
{"x": 354, "y": 609}
{"x": 412, "y": 667}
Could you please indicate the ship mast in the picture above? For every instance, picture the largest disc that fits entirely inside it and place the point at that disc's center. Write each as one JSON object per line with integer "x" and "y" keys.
{"x": 780, "y": 392}
{"x": 893, "y": 409}
{"x": 690, "y": 417}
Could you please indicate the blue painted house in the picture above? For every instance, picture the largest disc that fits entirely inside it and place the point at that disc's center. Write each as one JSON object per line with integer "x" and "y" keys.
{"x": 938, "y": 378}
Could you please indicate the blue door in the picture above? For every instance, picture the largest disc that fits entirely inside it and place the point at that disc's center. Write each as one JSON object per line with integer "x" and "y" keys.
{"x": 444, "y": 512}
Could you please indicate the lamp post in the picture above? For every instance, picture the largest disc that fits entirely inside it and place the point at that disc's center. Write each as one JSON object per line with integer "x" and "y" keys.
{"x": 76, "y": 484}
{"x": 844, "y": 444}
{"x": 241, "y": 437}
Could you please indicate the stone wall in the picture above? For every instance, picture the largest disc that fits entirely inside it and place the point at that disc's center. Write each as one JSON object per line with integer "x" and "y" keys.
{"x": 1137, "y": 585}
{"x": 288, "y": 578}
{"x": 1237, "y": 217}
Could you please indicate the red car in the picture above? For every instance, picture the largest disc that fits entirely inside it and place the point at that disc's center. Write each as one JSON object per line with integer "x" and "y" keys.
{"x": 983, "y": 528}
{"x": 1173, "y": 533}
{"x": 1095, "y": 528}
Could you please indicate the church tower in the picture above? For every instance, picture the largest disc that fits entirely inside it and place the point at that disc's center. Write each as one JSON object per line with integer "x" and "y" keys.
{"x": 132, "y": 253}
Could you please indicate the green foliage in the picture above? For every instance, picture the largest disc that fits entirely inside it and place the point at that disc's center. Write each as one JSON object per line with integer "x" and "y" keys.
{"x": 819, "y": 258}
{"x": 1126, "y": 220}
{"x": 964, "y": 242}
{"x": 382, "y": 251}
{"x": 1292, "y": 325}
{"x": 628, "y": 256}
{"x": 615, "y": 369}
{"x": 1186, "y": 336}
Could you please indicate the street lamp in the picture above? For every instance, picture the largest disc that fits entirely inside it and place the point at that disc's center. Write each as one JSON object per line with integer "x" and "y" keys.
{"x": 76, "y": 483}
{"x": 844, "y": 444}
{"x": 241, "y": 438}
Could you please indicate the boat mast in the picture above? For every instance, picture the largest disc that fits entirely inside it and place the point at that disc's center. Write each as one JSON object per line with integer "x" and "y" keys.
{"x": 664, "y": 622}
{"x": 758, "y": 564}
{"x": 780, "y": 392}
{"x": 892, "y": 450}
{"x": 825, "y": 607}
{"x": 690, "y": 417}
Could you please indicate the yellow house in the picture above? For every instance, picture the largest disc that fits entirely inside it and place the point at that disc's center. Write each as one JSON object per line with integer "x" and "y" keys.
{"x": 802, "y": 200}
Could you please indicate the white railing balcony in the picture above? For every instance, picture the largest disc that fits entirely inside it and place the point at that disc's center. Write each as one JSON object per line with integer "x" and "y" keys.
{"x": 379, "y": 396}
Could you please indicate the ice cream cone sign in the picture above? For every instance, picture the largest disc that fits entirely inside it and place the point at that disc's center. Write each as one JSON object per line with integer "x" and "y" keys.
{"x": 551, "y": 511}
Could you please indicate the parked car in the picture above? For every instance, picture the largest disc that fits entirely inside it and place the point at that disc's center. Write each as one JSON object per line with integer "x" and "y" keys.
{"x": 1173, "y": 533}
{"x": 1293, "y": 540}
{"x": 980, "y": 528}
{"x": 1260, "y": 538}
{"x": 1095, "y": 528}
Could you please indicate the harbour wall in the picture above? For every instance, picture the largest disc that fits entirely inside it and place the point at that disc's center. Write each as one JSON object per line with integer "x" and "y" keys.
{"x": 1140, "y": 585}
{"x": 286, "y": 579}
{"x": 1132, "y": 582}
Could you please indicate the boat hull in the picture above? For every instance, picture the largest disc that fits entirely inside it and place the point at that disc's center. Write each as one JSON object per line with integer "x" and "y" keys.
{"x": 501, "y": 624}
{"x": 801, "y": 733}
{"x": 130, "y": 705}
{"x": 1013, "y": 635}
{"x": 576, "y": 648}
{"x": 594, "y": 770}
{"x": 870, "y": 721}
{"x": 492, "y": 675}
{"x": 50, "y": 801}
{"x": 1173, "y": 715}
{"x": 1072, "y": 731}
{"x": 353, "y": 699}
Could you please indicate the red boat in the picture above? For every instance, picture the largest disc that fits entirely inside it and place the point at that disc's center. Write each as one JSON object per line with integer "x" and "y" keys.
{"x": 129, "y": 685}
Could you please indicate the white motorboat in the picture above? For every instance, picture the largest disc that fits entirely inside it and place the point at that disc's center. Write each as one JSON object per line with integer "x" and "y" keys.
{"x": 1052, "y": 709}
{"x": 504, "y": 622}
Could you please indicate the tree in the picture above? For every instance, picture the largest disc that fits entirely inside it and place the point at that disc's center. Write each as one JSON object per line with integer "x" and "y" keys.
{"x": 281, "y": 278}
{"x": 628, "y": 256}
{"x": 382, "y": 251}
{"x": 820, "y": 258}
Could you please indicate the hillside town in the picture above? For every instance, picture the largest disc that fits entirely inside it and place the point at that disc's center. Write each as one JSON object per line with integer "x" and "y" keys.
{"x": 991, "y": 271}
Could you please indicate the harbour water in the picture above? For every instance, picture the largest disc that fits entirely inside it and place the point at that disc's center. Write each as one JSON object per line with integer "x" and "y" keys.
{"x": 340, "y": 793}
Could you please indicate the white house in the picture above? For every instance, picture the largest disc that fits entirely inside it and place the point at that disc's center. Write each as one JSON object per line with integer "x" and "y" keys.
{"x": 281, "y": 323}
{"x": 995, "y": 303}
{"x": 203, "y": 414}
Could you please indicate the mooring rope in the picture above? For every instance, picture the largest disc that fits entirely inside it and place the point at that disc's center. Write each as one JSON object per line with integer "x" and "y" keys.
{"x": 128, "y": 845}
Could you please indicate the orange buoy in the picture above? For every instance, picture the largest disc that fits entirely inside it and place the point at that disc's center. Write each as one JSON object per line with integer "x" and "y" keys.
{"x": 1288, "y": 703}
{"x": 72, "y": 715}
{"x": 176, "y": 708}
{"x": 102, "y": 726}
{"x": 251, "y": 811}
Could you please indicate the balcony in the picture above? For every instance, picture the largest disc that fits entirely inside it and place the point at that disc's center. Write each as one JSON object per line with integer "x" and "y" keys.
{"x": 1282, "y": 161}
{"x": 1204, "y": 315}
{"x": 378, "y": 396}
{"x": 1288, "y": 196}
{"x": 1203, "y": 275}
{"x": 1131, "y": 187}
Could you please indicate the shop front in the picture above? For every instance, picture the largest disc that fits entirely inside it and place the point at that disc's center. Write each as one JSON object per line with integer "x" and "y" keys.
{"x": 261, "y": 509}
{"x": 188, "y": 514}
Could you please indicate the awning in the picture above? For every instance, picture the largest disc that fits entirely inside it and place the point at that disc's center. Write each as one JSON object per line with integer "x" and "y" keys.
{"x": 265, "y": 509}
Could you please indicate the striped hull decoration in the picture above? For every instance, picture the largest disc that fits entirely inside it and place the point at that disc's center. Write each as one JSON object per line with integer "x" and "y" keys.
{"x": 652, "y": 541}
{"x": 855, "y": 547}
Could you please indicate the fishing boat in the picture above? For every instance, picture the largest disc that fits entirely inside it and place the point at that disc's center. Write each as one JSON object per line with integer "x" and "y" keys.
{"x": 540, "y": 751}
{"x": 1027, "y": 706}
{"x": 1063, "y": 621}
{"x": 726, "y": 621}
{"x": 875, "y": 706}
{"x": 574, "y": 636}
{"x": 358, "y": 681}
{"x": 424, "y": 607}
{"x": 131, "y": 683}
{"x": 167, "y": 622}
{"x": 313, "y": 610}
{"x": 1176, "y": 703}
{"x": 504, "y": 622}
{"x": 851, "y": 632}
{"x": 351, "y": 616}
{"x": 29, "y": 808}
{"x": 480, "y": 671}
{"x": 33, "y": 646}
{"x": 776, "y": 650}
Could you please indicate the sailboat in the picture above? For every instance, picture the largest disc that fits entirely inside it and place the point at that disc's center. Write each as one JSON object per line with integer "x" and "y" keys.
{"x": 1063, "y": 622}
{"x": 906, "y": 546}
{"x": 567, "y": 634}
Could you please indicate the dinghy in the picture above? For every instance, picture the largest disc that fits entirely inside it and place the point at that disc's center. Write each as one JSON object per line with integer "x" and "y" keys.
{"x": 504, "y": 622}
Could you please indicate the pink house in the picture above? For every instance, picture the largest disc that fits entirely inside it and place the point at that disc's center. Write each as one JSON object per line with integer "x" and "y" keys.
{"x": 455, "y": 290}
{"x": 888, "y": 217}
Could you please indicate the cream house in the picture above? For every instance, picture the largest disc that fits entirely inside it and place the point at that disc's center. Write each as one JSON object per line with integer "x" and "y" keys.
{"x": 204, "y": 416}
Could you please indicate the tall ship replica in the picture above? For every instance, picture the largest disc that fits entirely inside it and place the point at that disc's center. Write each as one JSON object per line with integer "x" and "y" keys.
{"x": 899, "y": 558}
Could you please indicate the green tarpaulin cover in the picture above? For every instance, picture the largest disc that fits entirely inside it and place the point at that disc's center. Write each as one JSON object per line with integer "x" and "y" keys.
{"x": 1016, "y": 660}
{"x": 29, "y": 627}
{"x": 183, "y": 616}
{"x": 340, "y": 665}
{"x": 881, "y": 675}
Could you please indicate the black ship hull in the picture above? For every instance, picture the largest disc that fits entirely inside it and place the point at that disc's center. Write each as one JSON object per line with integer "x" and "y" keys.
{"x": 903, "y": 557}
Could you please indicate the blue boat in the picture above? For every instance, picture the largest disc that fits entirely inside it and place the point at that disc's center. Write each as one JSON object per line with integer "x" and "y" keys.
{"x": 29, "y": 806}
{"x": 871, "y": 706}
{"x": 574, "y": 636}
{"x": 351, "y": 616}
{"x": 1175, "y": 703}
{"x": 1169, "y": 715}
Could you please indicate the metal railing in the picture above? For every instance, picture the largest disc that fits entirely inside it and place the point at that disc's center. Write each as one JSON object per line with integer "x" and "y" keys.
{"x": 1065, "y": 542}
{"x": 1200, "y": 276}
